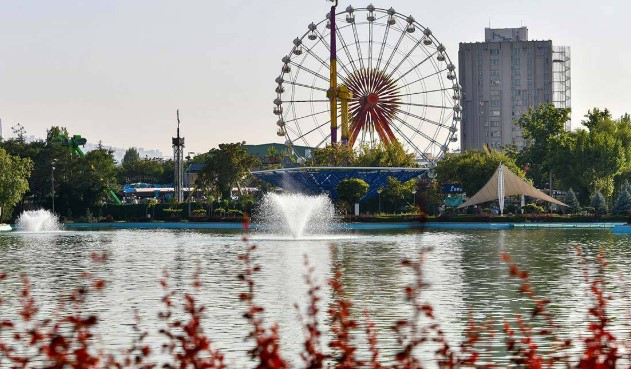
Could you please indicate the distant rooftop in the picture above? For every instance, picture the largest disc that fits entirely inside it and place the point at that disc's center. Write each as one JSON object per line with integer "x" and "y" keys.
{"x": 505, "y": 34}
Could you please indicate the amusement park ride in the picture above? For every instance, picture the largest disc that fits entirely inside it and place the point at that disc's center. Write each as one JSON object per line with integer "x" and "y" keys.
{"x": 396, "y": 83}
{"x": 393, "y": 80}
{"x": 74, "y": 143}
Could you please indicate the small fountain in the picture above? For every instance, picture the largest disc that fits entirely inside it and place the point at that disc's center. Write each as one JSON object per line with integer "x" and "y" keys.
{"x": 296, "y": 215}
{"x": 38, "y": 221}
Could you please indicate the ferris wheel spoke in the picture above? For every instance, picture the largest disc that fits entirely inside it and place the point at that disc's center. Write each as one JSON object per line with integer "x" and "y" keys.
{"x": 326, "y": 138}
{"x": 305, "y": 86}
{"x": 302, "y": 67}
{"x": 394, "y": 50}
{"x": 421, "y": 118}
{"x": 345, "y": 48}
{"x": 405, "y": 137}
{"x": 383, "y": 45}
{"x": 423, "y": 92}
{"x": 358, "y": 46}
{"x": 307, "y": 116}
{"x": 404, "y": 59}
{"x": 304, "y": 101}
{"x": 324, "y": 64}
{"x": 417, "y": 131}
{"x": 409, "y": 141}
{"x": 370, "y": 32}
{"x": 326, "y": 44}
{"x": 424, "y": 78}
{"x": 312, "y": 130}
{"x": 415, "y": 66}
{"x": 425, "y": 105}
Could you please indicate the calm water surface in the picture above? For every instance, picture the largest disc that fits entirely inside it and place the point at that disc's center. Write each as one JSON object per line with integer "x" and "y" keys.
{"x": 464, "y": 270}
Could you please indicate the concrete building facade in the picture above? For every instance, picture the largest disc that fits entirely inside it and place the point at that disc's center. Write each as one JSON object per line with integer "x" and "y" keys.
{"x": 504, "y": 76}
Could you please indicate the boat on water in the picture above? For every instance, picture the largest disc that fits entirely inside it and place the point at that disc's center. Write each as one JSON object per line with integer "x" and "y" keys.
{"x": 5, "y": 227}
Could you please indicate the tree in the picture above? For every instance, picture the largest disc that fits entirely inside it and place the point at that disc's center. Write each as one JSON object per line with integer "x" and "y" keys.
{"x": 351, "y": 190}
{"x": 332, "y": 156}
{"x": 623, "y": 202}
{"x": 572, "y": 202}
{"x": 149, "y": 170}
{"x": 225, "y": 167}
{"x": 13, "y": 181}
{"x": 593, "y": 159}
{"x": 472, "y": 169}
{"x": 382, "y": 155}
{"x": 396, "y": 193}
{"x": 87, "y": 183}
{"x": 131, "y": 155}
{"x": 544, "y": 128}
{"x": 599, "y": 203}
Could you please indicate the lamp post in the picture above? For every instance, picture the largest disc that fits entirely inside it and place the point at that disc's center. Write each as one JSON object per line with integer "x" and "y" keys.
{"x": 379, "y": 191}
{"x": 414, "y": 195}
{"x": 332, "y": 92}
{"x": 52, "y": 184}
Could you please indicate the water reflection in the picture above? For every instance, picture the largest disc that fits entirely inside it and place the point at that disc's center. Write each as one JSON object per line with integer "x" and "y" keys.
{"x": 464, "y": 269}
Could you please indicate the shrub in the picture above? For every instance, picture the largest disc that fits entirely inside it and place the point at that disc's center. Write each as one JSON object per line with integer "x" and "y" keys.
{"x": 533, "y": 208}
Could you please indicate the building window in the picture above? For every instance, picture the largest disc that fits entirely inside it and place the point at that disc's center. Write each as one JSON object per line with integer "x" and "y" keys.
{"x": 495, "y": 113}
{"x": 495, "y": 92}
{"x": 495, "y": 123}
{"x": 494, "y": 51}
{"x": 516, "y": 82}
{"x": 516, "y": 61}
{"x": 495, "y": 134}
{"x": 495, "y": 73}
{"x": 516, "y": 51}
{"x": 494, "y": 61}
{"x": 495, "y": 83}
{"x": 495, "y": 103}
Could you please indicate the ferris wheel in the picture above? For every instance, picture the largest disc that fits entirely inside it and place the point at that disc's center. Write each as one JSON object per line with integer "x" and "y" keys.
{"x": 403, "y": 85}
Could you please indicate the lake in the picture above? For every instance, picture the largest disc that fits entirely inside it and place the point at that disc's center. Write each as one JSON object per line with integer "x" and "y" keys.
{"x": 464, "y": 271}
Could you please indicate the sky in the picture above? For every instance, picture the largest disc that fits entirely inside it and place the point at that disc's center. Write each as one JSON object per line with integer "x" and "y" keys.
{"x": 117, "y": 70}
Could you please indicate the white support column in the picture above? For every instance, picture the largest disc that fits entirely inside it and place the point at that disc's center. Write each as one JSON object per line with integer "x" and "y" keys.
{"x": 500, "y": 187}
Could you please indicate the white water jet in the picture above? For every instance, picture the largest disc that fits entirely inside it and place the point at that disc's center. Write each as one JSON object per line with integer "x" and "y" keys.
{"x": 296, "y": 215}
{"x": 38, "y": 221}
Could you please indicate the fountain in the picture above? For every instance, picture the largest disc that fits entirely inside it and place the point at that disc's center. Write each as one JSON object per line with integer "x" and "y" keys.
{"x": 38, "y": 221}
{"x": 296, "y": 215}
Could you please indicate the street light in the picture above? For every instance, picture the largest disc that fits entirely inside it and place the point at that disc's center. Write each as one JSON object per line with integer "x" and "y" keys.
{"x": 414, "y": 194}
{"x": 379, "y": 191}
{"x": 52, "y": 184}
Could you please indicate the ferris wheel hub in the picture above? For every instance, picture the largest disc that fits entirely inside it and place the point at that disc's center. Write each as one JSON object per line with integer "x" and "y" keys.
{"x": 372, "y": 99}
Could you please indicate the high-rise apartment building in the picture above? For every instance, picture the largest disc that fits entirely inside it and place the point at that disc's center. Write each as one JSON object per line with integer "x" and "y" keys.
{"x": 501, "y": 78}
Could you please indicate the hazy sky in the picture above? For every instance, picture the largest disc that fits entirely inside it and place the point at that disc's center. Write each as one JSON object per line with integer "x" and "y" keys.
{"x": 116, "y": 70}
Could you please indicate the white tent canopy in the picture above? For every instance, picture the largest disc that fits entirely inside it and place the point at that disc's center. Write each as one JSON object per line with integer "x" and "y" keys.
{"x": 506, "y": 183}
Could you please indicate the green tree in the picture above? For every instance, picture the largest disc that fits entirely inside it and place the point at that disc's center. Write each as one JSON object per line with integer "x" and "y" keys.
{"x": 593, "y": 159}
{"x": 382, "y": 155}
{"x": 572, "y": 202}
{"x": 86, "y": 185}
{"x": 225, "y": 167}
{"x": 473, "y": 169}
{"x": 13, "y": 181}
{"x": 351, "y": 190}
{"x": 396, "y": 194}
{"x": 332, "y": 156}
{"x": 622, "y": 204}
{"x": 599, "y": 203}
{"x": 131, "y": 155}
{"x": 544, "y": 128}
{"x": 149, "y": 170}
